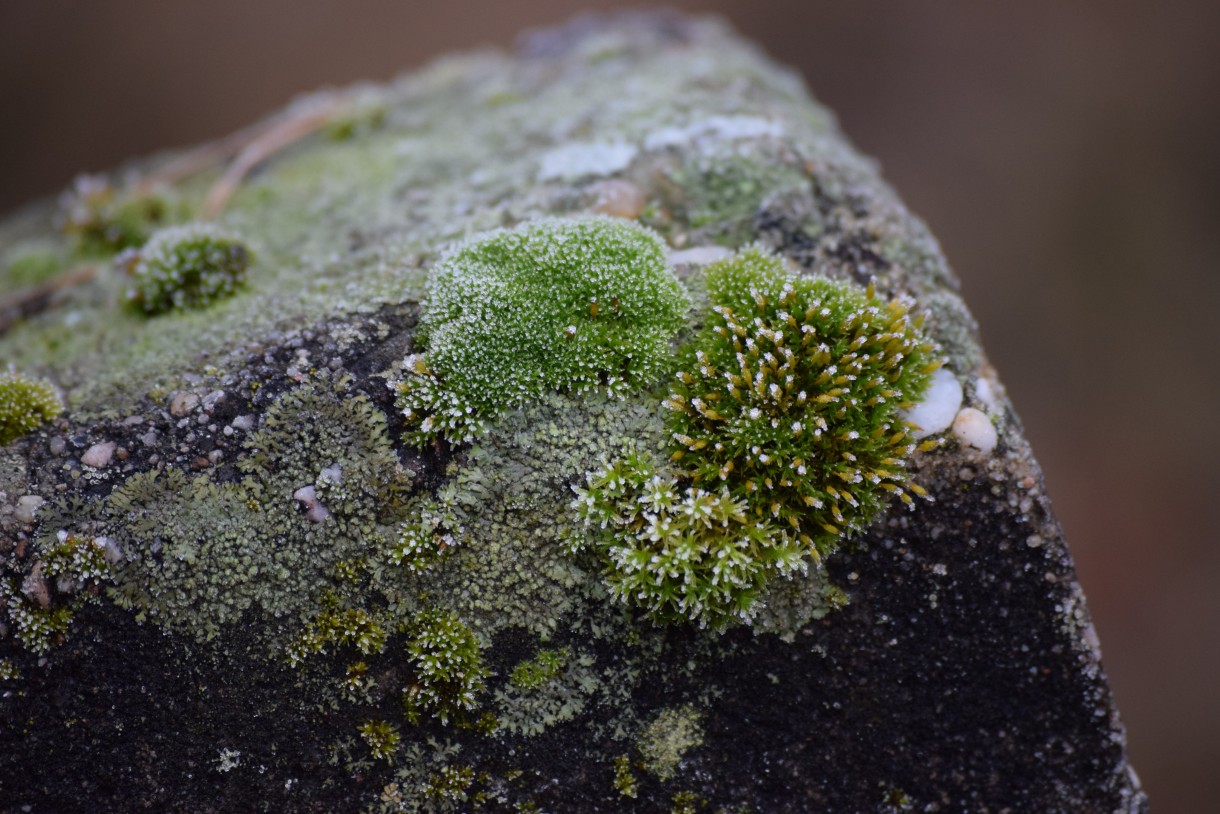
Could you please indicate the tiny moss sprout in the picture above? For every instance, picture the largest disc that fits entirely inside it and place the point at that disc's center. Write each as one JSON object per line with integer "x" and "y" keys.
{"x": 786, "y": 436}
{"x": 25, "y": 405}
{"x": 624, "y": 778}
{"x": 382, "y": 738}
{"x": 545, "y": 666}
{"x": 448, "y": 664}
{"x": 577, "y": 305}
{"x": 185, "y": 267}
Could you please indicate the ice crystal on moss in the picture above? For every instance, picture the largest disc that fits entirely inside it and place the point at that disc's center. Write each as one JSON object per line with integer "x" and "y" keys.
{"x": 186, "y": 267}
{"x": 578, "y": 305}
{"x": 25, "y": 405}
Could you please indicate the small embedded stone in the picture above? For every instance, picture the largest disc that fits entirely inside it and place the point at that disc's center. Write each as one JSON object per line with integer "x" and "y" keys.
{"x": 974, "y": 430}
{"x": 700, "y": 255}
{"x": 98, "y": 456}
{"x": 27, "y": 507}
{"x": 307, "y": 496}
{"x": 617, "y": 198}
{"x": 34, "y": 587}
{"x": 935, "y": 412}
{"x": 245, "y": 423}
{"x": 182, "y": 403}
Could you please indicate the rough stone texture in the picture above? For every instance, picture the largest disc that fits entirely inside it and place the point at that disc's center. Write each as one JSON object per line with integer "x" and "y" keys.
{"x": 963, "y": 674}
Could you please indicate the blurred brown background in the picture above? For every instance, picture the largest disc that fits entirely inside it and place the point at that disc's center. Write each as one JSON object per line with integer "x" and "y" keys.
{"x": 1066, "y": 154}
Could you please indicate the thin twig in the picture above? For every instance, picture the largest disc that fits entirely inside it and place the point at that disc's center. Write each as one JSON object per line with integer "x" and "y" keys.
{"x": 280, "y": 135}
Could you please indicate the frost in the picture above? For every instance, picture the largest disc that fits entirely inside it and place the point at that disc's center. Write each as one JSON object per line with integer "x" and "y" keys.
{"x": 571, "y": 162}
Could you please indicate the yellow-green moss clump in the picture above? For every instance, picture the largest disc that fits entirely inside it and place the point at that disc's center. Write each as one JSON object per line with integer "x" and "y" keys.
{"x": 575, "y": 305}
{"x": 186, "y": 267}
{"x": 786, "y": 435}
{"x": 25, "y": 405}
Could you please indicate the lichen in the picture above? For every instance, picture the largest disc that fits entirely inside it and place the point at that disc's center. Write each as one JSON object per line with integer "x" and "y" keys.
{"x": 666, "y": 740}
{"x": 582, "y": 305}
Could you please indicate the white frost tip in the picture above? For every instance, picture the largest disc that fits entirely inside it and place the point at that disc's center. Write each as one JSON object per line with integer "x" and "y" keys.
{"x": 974, "y": 430}
{"x": 936, "y": 412}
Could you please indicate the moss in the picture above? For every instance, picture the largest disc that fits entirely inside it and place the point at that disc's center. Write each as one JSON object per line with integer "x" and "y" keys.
{"x": 624, "y": 778}
{"x": 29, "y": 264}
{"x": 25, "y": 405}
{"x": 382, "y": 738}
{"x": 687, "y": 802}
{"x": 102, "y": 219}
{"x": 577, "y": 305}
{"x": 64, "y": 573}
{"x": 667, "y": 738}
{"x": 724, "y": 189}
{"x": 786, "y": 435}
{"x": 184, "y": 268}
{"x": 449, "y": 672}
{"x": 544, "y": 667}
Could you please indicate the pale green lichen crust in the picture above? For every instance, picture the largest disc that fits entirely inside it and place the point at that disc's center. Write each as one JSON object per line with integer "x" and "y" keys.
{"x": 578, "y": 305}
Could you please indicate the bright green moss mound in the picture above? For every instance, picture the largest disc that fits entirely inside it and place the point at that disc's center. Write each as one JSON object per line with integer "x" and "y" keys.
{"x": 186, "y": 267}
{"x": 575, "y": 305}
{"x": 25, "y": 405}
{"x": 786, "y": 436}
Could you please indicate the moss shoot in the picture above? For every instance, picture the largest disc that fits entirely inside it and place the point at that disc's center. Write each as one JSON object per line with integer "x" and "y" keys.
{"x": 186, "y": 267}
{"x": 25, "y": 405}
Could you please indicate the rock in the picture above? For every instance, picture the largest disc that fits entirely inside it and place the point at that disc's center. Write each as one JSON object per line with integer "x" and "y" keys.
{"x": 974, "y": 429}
{"x": 98, "y": 456}
{"x": 27, "y": 508}
{"x": 291, "y": 569}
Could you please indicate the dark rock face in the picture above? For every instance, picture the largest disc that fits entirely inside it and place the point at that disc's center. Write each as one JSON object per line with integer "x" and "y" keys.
{"x": 960, "y": 674}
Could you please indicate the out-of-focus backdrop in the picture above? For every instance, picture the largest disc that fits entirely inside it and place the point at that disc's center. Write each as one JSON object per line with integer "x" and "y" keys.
{"x": 1066, "y": 154}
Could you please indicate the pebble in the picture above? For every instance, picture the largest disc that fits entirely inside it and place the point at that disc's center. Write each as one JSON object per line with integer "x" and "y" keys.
{"x": 35, "y": 588}
{"x": 307, "y": 496}
{"x": 985, "y": 393}
{"x": 700, "y": 255}
{"x": 182, "y": 403}
{"x": 243, "y": 422}
{"x": 57, "y": 445}
{"x": 98, "y": 456}
{"x": 939, "y": 407}
{"x": 617, "y": 198}
{"x": 27, "y": 507}
{"x": 974, "y": 430}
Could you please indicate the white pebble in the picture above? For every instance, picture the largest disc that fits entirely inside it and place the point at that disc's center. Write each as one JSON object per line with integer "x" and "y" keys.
{"x": 974, "y": 429}
{"x": 98, "y": 455}
{"x": 985, "y": 393}
{"x": 935, "y": 413}
{"x": 699, "y": 255}
{"x": 27, "y": 507}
